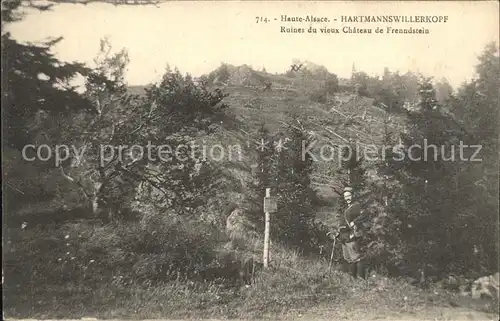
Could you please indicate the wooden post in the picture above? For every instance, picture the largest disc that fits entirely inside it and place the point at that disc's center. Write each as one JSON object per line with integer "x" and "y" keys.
{"x": 266, "y": 233}
{"x": 331, "y": 256}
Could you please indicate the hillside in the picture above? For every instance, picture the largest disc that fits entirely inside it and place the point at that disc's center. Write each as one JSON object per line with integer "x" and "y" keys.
{"x": 296, "y": 281}
{"x": 226, "y": 195}
{"x": 344, "y": 117}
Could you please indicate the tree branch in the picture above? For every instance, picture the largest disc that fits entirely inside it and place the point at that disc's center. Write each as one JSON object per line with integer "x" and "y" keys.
{"x": 72, "y": 180}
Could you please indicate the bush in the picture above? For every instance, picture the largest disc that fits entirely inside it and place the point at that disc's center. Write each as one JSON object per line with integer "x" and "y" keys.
{"x": 155, "y": 249}
{"x": 319, "y": 96}
{"x": 332, "y": 84}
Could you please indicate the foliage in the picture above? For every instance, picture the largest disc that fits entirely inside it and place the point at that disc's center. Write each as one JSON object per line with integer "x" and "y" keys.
{"x": 154, "y": 249}
{"x": 438, "y": 207}
{"x": 262, "y": 177}
{"x": 383, "y": 241}
{"x": 296, "y": 214}
{"x": 392, "y": 91}
{"x": 220, "y": 75}
{"x": 123, "y": 141}
{"x": 285, "y": 291}
{"x": 476, "y": 110}
{"x": 179, "y": 110}
{"x": 282, "y": 167}
{"x": 36, "y": 82}
{"x": 360, "y": 79}
{"x": 173, "y": 112}
{"x": 444, "y": 91}
{"x": 425, "y": 214}
{"x": 421, "y": 214}
{"x": 332, "y": 84}
{"x": 318, "y": 96}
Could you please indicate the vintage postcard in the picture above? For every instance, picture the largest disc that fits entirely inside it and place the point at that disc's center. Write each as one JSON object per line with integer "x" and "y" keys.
{"x": 250, "y": 160}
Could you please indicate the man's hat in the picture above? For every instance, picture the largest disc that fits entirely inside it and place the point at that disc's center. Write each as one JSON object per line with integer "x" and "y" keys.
{"x": 348, "y": 190}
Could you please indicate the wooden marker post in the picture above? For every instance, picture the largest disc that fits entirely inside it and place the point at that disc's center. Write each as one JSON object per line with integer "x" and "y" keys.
{"x": 270, "y": 206}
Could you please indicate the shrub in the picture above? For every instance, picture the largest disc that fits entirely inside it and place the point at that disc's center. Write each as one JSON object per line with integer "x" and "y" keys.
{"x": 154, "y": 249}
{"x": 318, "y": 96}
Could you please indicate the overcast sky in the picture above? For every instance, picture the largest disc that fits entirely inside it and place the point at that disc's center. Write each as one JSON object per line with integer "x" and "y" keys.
{"x": 197, "y": 37}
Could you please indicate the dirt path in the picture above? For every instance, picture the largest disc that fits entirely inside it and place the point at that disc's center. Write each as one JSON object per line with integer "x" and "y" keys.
{"x": 433, "y": 314}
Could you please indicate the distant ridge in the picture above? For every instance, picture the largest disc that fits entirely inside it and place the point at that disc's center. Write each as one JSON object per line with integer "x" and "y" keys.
{"x": 138, "y": 89}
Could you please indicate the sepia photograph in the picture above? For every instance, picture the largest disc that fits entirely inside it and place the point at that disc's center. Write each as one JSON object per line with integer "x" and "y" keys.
{"x": 250, "y": 160}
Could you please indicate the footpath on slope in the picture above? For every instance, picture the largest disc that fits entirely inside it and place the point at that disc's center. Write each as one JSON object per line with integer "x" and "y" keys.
{"x": 434, "y": 314}
{"x": 345, "y": 313}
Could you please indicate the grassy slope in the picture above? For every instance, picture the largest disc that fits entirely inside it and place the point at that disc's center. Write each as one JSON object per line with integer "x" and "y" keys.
{"x": 294, "y": 287}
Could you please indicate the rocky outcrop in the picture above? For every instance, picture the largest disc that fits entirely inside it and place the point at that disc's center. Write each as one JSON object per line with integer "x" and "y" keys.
{"x": 242, "y": 75}
{"x": 486, "y": 286}
{"x": 481, "y": 288}
{"x": 238, "y": 226}
{"x": 245, "y": 76}
{"x": 236, "y": 260}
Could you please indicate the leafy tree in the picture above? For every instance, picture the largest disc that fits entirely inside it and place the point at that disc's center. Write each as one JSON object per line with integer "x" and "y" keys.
{"x": 392, "y": 90}
{"x": 35, "y": 81}
{"x": 444, "y": 91}
{"x": 436, "y": 210}
{"x": 383, "y": 206}
{"x": 332, "y": 84}
{"x": 475, "y": 108}
{"x": 223, "y": 73}
{"x": 420, "y": 226}
{"x": 102, "y": 134}
{"x": 121, "y": 140}
{"x": 180, "y": 110}
{"x": 361, "y": 80}
{"x": 428, "y": 211}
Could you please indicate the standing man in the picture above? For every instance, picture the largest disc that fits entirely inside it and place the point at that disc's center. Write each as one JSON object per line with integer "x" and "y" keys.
{"x": 350, "y": 235}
